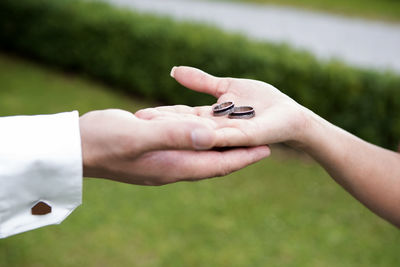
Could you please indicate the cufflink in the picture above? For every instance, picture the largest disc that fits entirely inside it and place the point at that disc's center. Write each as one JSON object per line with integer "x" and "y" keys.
{"x": 41, "y": 208}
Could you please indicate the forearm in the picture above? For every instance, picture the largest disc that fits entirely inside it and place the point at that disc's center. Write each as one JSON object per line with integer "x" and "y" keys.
{"x": 370, "y": 173}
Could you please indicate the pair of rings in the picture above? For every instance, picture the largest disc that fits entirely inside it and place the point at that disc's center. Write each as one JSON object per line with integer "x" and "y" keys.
{"x": 228, "y": 108}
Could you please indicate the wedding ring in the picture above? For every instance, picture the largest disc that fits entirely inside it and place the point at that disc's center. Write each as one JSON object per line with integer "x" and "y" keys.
{"x": 245, "y": 112}
{"x": 223, "y": 109}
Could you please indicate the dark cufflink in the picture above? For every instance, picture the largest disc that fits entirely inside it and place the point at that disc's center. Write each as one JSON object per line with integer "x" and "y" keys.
{"x": 41, "y": 208}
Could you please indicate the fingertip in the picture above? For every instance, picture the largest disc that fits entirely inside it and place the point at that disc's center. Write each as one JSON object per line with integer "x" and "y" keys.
{"x": 255, "y": 154}
{"x": 260, "y": 152}
{"x": 178, "y": 71}
{"x": 172, "y": 74}
{"x": 186, "y": 74}
{"x": 265, "y": 151}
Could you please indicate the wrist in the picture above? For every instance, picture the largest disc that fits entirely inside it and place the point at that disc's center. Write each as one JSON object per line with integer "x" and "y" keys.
{"x": 87, "y": 163}
{"x": 308, "y": 130}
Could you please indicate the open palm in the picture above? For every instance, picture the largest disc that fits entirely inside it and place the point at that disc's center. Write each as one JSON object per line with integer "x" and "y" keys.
{"x": 278, "y": 117}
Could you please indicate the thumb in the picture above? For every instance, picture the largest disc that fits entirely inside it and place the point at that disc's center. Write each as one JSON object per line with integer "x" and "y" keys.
{"x": 200, "y": 81}
{"x": 178, "y": 135}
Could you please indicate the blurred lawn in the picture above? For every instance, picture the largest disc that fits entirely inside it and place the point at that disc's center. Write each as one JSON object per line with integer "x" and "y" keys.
{"x": 283, "y": 211}
{"x": 388, "y": 10}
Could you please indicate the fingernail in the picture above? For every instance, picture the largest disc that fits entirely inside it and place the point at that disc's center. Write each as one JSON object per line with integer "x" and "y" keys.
{"x": 202, "y": 139}
{"x": 173, "y": 72}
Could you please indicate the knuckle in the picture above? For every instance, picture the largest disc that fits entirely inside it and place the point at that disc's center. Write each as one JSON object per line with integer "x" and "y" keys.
{"x": 223, "y": 142}
{"x": 147, "y": 113}
{"x": 223, "y": 85}
{"x": 173, "y": 139}
{"x": 249, "y": 134}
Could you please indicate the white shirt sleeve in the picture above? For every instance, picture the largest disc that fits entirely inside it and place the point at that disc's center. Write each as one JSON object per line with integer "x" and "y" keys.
{"x": 40, "y": 161}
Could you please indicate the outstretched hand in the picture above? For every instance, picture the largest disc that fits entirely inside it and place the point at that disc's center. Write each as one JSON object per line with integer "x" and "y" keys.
{"x": 370, "y": 173}
{"x": 278, "y": 117}
{"x": 121, "y": 146}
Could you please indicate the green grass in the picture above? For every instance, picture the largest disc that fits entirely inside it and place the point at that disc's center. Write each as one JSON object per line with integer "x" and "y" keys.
{"x": 388, "y": 10}
{"x": 28, "y": 89}
{"x": 282, "y": 211}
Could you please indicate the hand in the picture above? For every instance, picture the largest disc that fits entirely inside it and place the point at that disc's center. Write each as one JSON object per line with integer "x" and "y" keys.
{"x": 120, "y": 146}
{"x": 368, "y": 172}
{"x": 278, "y": 117}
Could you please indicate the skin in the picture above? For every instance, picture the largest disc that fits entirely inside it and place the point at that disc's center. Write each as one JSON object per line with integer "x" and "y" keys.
{"x": 368, "y": 172}
{"x": 118, "y": 145}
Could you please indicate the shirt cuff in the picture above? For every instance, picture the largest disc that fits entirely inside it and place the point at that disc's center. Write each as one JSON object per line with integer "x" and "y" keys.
{"x": 40, "y": 161}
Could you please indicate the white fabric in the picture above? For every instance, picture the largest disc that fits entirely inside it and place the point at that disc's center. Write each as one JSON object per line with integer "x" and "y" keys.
{"x": 40, "y": 160}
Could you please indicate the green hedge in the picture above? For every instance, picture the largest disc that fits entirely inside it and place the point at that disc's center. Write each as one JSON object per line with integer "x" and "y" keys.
{"x": 135, "y": 52}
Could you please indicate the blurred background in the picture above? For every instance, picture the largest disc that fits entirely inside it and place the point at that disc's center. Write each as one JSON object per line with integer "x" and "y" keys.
{"x": 338, "y": 58}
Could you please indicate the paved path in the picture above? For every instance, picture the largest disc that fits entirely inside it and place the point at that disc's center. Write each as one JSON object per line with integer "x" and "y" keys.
{"x": 356, "y": 41}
